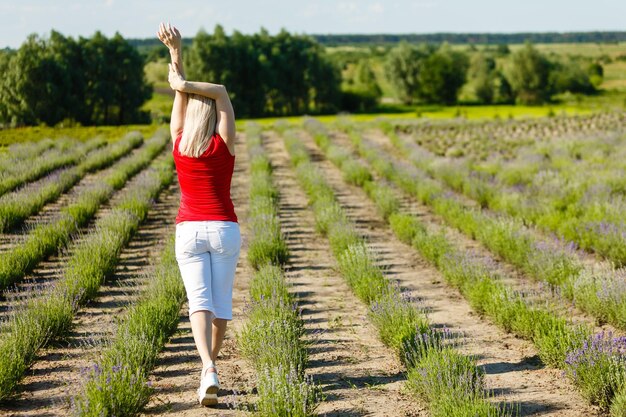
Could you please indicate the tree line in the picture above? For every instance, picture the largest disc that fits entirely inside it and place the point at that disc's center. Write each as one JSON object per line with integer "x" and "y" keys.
{"x": 266, "y": 75}
{"x": 100, "y": 80}
{"x": 472, "y": 38}
{"x": 96, "y": 80}
{"x": 435, "y": 74}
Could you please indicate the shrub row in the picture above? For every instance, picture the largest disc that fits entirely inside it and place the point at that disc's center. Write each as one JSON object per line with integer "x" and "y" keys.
{"x": 117, "y": 384}
{"x": 48, "y": 238}
{"x": 446, "y": 380}
{"x": 47, "y": 313}
{"x": 558, "y": 342}
{"x": 17, "y": 207}
{"x": 16, "y": 152}
{"x": 70, "y": 154}
{"x": 572, "y": 209}
{"x": 272, "y": 336}
{"x": 600, "y": 292}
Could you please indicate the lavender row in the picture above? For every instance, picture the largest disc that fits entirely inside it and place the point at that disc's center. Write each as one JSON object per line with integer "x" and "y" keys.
{"x": 48, "y": 238}
{"x": 47, "y": 313}
{"x": 436, "y": 372}
{"x": 569, "y": 347}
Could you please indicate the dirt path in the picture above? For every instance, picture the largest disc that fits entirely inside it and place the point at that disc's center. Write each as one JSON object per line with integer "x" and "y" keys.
{"x": 513, "y": 370}
{"x": 52, "y": 209}
{"x": 56, "y": 375}
{"x": 590, "y": 260}
{"x": 512, "y": 276}
{"x": 177, "y": 374}
{"x": 47, "y": 271}
{"x": 358, "y": 374}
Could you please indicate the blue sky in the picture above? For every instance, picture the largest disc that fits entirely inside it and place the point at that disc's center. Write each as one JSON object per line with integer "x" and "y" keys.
{"x": 139, "y": 18}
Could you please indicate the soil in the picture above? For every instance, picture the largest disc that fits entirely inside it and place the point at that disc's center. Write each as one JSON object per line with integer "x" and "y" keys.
{"x": 513, "y": 277}
{"x": 48, "y": 270}
{"x": 51, "y": 210}
{"x": 57, "y": 371}
{"x": 513, "y": 371}
{"x": 357, "y": 373}
{"x": 177, "y": 374}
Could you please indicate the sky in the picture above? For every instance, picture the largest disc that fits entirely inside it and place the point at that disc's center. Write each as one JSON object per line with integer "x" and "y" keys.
{"x": 140, "y": 18}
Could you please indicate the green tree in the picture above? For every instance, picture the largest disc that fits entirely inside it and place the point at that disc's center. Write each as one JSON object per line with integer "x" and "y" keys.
{"x": 482, "y": 73}
{"x": 503, "y": 92}
{"x": 362, "y": 93}
{"x": 115, "y": 85}
{"x": 596, "y": 74}
{"x": 35, "y": 85}
{"x": 530, "y": 76}
{"x": 95, "y": 80}
{"x": 569, "y": 76}
{"x": 266, "y": 75}
{"x": 442, "y": 75}
{"x": 402, "y": 68}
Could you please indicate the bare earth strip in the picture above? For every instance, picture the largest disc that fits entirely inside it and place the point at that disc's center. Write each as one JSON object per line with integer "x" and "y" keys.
{"x": 512, "y": 276}
{"x": 56, "y": 375}
{"x": 177, "y": 374}
{"x": 51, "y": 210}
{"x": 358, "y": 374}
{"x": 512, "y": 368}
{"x": 590, "y": 260}
{"x": 49, "y": 270}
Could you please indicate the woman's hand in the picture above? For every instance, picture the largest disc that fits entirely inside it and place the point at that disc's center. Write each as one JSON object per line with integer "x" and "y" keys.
{"x": 176, "y": 80}
{"x": 170, "y": 36}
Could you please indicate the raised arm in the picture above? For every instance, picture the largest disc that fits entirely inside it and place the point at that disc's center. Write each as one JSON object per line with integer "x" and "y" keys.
{"x": 224, "y": 108}
{"x": 170, "y": 36}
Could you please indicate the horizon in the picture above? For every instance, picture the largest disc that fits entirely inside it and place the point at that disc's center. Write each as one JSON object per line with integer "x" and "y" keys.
{"x": 315, "y": 17}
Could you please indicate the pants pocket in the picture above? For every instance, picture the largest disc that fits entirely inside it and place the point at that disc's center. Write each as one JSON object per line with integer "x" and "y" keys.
{"x": 186, "y": 242}
{"x": 229, "y": 239}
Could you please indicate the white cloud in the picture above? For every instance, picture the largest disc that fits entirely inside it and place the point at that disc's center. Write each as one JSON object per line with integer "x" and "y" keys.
{"x": 376, "y": 8}
{"x": 347, "y": 7}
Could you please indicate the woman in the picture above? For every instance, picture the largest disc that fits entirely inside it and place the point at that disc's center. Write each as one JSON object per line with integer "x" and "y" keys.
{"x": 208, "y": 239}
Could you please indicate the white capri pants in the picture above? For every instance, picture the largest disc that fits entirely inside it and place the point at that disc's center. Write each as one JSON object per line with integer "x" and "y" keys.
{"x": 207, "y": 253}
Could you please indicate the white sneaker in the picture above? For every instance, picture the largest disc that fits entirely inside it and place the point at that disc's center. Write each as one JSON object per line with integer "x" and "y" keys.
{"x": 209, "y": 385}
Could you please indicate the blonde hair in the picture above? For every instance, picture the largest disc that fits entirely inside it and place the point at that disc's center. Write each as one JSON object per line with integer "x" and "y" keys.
{"x": 200, "y": 120}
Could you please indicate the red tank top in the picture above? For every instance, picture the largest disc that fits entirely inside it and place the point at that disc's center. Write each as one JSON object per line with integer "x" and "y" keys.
{"x": 205, "y": 183}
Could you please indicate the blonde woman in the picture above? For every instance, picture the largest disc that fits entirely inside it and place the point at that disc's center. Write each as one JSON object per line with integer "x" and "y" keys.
{"x": 208, "y": 239}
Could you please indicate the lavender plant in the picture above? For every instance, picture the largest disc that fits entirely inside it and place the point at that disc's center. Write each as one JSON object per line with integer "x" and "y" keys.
{"x": 272, "y": 337}
{"x": 48, "y": 238}
{"x": 398, "y": 319}
{"x": 49, "y": 315}
{"x": 117, "y": 384}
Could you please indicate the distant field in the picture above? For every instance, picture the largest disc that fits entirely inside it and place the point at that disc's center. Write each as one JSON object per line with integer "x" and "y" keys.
{"x": 614, "y": 71}
{"x": 612, "y": 97}
{"x": 36, "y": 133}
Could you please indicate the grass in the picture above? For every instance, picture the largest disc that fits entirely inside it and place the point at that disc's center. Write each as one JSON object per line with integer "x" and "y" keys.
{"x": 81, "y": 133}
{"x": 47, "y": 313}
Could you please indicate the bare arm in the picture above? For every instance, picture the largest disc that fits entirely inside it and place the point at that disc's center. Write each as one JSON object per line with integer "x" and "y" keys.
{"x": 170, "y": 36}
{"x": 177, "y": 120}
{"x": 224, "y": 108}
